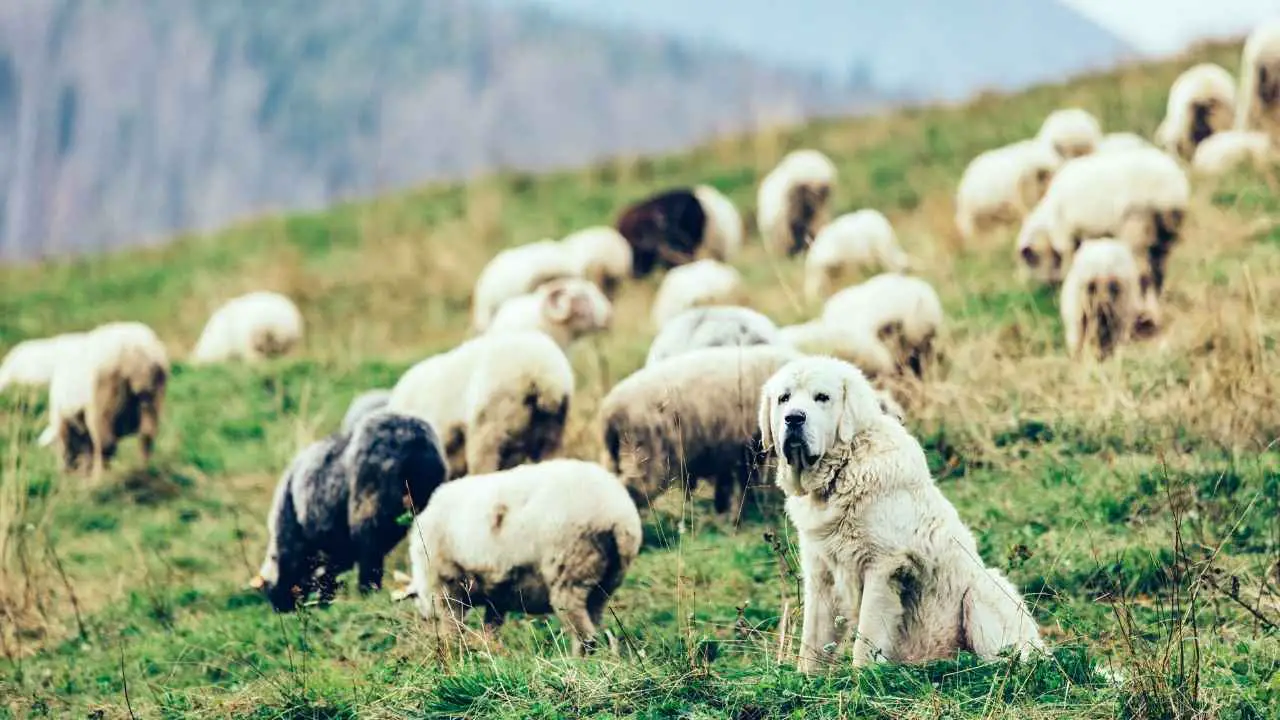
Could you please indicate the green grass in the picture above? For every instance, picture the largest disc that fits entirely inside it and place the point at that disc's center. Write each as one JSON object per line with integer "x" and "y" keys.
{"x": 1135, "y": 502}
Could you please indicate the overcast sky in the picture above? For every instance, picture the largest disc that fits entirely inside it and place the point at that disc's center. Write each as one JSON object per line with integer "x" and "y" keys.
{"x": 1165, "y": 26}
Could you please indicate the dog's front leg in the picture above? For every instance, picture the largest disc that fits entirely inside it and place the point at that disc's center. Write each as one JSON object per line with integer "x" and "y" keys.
{"x": 880, "y": 617}
{"x": 820, "y": 609}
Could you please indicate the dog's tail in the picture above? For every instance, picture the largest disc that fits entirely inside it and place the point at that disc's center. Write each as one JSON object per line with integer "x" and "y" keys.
{"x": 993, "y": 617}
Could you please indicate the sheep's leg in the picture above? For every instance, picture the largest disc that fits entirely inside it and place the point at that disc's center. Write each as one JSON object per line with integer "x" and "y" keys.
{"x": 102, "y": 440}
{"x": 570, "y": 605}
{"x": 493, "y": 618}
{"x": 726, "y": 484}
{"x": 107, "y": 398}
{"x": 326, "y": 586}
{"x": 148, "y": 427}
{"x": 370, "y": 574}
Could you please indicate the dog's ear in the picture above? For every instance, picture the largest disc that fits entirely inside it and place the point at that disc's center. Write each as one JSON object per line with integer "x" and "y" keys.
{"x": 847, "y": 423}
{"x": 766, "y": 421}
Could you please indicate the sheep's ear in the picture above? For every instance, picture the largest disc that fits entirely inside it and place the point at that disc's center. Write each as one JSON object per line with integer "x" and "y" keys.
{"x": 558, "y": 305}
{"x": 766, "y": 421}
{"x": 847, "y": 424}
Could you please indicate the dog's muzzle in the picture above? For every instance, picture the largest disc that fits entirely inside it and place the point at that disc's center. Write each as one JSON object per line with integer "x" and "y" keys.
{"x": 795, "y": 448}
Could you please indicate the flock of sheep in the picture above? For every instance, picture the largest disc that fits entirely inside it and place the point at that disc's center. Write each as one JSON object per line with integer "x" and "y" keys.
{"x": 466, "y": 440}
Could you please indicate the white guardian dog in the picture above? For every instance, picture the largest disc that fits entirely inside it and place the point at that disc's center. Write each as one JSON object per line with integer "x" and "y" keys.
{"x": 880, "y": 546}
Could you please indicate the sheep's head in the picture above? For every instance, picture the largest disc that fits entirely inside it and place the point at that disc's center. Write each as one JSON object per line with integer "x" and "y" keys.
{"x": 577, "y": 305}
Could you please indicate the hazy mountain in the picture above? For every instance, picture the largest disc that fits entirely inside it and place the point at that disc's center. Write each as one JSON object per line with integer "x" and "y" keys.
{"x": 934, "y": 48}
{"x": 127, "y": 119}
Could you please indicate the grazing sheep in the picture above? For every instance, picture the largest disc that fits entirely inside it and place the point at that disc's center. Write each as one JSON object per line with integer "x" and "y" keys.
{"x": 1039, "y": 260}
{"x": 564, "y": 309}
{"x": 363, "y": 404}
{"x": 852, "y": 343}
{"x": 517, "y": 271}
{"x": 1228, "y": 150}
{"x": 252, "y": 327}
{"x": 1201, "y": 102}
{"x": 698, "y": 284}
{"x": 339, "y": 504}
{"x": 1140, "y": 196}
{"x": 724, "y": 231}
{"x": 858, "y": 241}
{"x": 496, "y": 400}
{"x": 999, "y": 187}
{"x": 666, "y": 230}
{"x": 110, "y": 387}
{"x": 903, "y": 312}
{"x": 1100, "y": 297}
{"x": 792, "y": 201}
{"x": 880, "y": 546}
{"x": 708, "y": 327}
{"x": 31, "y": 363}
{"x": 1259, "y": 97}
{"x": 600, "y": 254}
{"x": 690, "y": 417}
{"x": 554, "y": 537}
{"x": 1072, "y": 132}
{"x": 1119, "y": 141}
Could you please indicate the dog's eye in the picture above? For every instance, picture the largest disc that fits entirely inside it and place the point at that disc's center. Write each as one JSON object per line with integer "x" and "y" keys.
{"x": 784, "y": 397}
{"x": 822, "y": 397}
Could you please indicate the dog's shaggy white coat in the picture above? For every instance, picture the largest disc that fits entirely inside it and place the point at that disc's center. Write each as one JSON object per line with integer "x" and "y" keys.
{"x": 880, "y": 546}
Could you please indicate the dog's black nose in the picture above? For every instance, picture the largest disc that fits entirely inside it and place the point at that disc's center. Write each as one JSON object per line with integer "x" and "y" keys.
{"x": 794, "y": 418}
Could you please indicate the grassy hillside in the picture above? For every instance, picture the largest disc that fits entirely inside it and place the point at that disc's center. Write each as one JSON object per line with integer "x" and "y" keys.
{"x": 1137, "y": 502}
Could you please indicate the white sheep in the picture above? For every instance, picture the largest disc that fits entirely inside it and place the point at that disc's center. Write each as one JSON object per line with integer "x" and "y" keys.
{"x": 496, "y": 400}
{"x": 564, "y": 309}
{"x": 1202, "y": 101}
{"x": 862, "y": 241}
{"x": 707, "y": 327}
{"x": 254, "y": 326}
{"x": 1101, "y": 297}
{"x": 793, "y": 199}
{"x": 111, "y": 387}
{"x": 851, "y": 342}
{"x": 1118, "y": 141}
{"x": 722, "y": 238}
{"x": 689, "y": 417}
{"x": 516, "y": 271}
{"x": 1228, "y": 150}
{"x": 1073, "y": 132}
{"x": 600, "y": 254}
{"x": 1001, "y": 186}
{"x": 1258, "y": 102}
{"x": 1140, "y": 196}
{"x": 553, "y": 537}
{"x": 904, "y": 312}
{"x": 31, "y": 363}
{"x": 700, "y": 283}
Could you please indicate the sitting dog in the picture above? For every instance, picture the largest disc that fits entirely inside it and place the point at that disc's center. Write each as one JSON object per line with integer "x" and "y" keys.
{"x": 879, "y": 544}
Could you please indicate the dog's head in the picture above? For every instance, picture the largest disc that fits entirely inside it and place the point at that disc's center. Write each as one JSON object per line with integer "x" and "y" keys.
{"x": 811, "y": 406}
